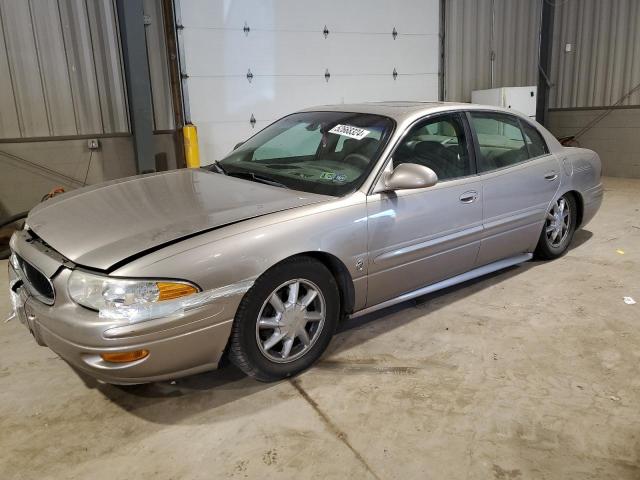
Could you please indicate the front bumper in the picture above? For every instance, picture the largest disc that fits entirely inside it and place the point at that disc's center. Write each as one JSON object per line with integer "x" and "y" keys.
{"x": 178, "y": 346}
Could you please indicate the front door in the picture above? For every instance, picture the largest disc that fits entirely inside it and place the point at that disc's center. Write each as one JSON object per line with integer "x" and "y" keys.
{"x": 418, "y": 237}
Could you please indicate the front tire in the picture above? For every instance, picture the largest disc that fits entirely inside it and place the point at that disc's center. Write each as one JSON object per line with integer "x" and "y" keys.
{"x": 559, "y": 227}
{"x": 286, "y": 320}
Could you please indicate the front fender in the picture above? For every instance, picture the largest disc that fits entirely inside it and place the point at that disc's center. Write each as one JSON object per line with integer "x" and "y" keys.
{"x": 247, "y": 249}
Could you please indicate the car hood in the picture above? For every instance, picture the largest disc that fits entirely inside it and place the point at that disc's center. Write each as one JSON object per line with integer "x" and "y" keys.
{"x": 103, "y": 225}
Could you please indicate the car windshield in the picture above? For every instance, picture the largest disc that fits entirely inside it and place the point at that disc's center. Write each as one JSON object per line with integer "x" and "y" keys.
{"x": 330, "y": 153}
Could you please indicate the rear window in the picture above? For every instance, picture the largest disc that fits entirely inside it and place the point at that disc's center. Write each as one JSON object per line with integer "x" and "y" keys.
{"x": 500, "y": 140}
{"x": 535, "y": 143}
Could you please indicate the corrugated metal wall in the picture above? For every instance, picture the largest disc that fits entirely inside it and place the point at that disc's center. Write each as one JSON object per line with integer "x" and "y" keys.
{"x": 61, "y": 69}
{"x": 158, "y": 66}
{"x": 604, "y": 61}
{"x": 475, "y": 28}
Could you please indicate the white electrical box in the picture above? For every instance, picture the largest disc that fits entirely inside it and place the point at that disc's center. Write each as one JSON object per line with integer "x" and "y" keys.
{"x": 522, "y": 99}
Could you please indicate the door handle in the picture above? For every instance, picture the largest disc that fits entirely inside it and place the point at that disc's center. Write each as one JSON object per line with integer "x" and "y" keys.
{"x": 551, "y": 176}
{"x": 469, "y": 197}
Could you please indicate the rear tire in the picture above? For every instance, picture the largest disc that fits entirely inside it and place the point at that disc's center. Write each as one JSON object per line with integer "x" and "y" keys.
{"x": 286, "y": 320}
{"x": 558, "y": 229}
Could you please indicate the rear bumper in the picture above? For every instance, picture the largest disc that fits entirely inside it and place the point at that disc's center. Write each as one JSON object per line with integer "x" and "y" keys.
{"x": 592, "y": 202}
{"x": 183, "y": 345}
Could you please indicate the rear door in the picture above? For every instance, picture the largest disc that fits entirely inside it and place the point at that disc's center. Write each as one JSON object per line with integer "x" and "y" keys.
{"x": 519, "y": 179}
{"x": 418, "y": 237}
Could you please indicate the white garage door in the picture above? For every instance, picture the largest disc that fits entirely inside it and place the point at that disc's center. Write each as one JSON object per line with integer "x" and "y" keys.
{"x": 249, "y": 62}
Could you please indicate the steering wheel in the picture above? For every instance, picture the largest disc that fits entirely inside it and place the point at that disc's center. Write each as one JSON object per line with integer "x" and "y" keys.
{"x": 357, "y": 160}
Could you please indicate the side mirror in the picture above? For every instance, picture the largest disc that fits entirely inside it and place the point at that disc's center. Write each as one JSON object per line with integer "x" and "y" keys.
{"x": 410, "y": 175}
{"x": 239, "y": 144}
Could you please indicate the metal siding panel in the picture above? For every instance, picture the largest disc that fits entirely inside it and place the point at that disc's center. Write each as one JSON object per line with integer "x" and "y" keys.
{"x": 628, "y": 61}
{"x": 534, "y": 41}
{"x": 553, "y": 73}
{"x": 604, "y": 63}
{"x": 9, "y": 127}
{"x": 55, "y": 78}
{"x": 633, "y": 55}
{"x": 467, "y": 48}
{"x": 468, "y": 26}
{"x": 49, "y": 85}
{"x": 105, "y": 42}
{"x": 601, "y": 49}
{"x": 574, "y": 32}
{"x": 82, "y": 73}
{"x": 481, "y": 42}
{"x": 611, "y": 46}
{"x": 593, "y": 55}
{"x": 23, "y": 62}
{"x": 620, "y": 38}
{"x": 158, "y": 67}
{"x": 579, "y": 90}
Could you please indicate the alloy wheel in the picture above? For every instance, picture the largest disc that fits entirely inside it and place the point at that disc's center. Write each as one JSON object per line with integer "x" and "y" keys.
{"x": 290, "y": 321}
{"x": 558, "y": 223}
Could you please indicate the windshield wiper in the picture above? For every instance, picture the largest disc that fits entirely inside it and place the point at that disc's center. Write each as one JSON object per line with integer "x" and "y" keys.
{"x": 257, "y": 178}
{"x": 217, "y": 166}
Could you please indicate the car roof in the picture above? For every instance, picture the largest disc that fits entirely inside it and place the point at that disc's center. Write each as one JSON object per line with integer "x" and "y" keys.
{"x": 406, "y": 112}
{"x": 401, "y": 111}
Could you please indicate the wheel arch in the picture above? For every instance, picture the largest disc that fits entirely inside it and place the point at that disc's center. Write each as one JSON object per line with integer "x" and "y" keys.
{"x": 340, "y": 273}
{"x": 579, "y": 206}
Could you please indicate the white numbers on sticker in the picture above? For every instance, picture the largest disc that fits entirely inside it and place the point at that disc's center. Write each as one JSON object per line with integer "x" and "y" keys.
{"x": 350, "y": 131}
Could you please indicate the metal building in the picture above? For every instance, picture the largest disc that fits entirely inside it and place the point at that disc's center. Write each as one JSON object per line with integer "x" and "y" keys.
{"x": 67, "y": 72}
{"x": 62, "y": 83}
{"x": 593, "y": 76}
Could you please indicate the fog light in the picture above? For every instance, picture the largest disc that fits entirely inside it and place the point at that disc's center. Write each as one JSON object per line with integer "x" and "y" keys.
{"x": 124, "y": 357}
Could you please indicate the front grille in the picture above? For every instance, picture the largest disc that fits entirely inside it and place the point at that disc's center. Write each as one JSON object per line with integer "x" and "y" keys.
{"x": 38, "y": 282}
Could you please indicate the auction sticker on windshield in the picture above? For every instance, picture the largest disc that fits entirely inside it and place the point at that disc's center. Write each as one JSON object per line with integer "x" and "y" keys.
{"x": 350, "y": 131}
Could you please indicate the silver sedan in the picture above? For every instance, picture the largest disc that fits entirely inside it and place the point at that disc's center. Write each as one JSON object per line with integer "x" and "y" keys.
{"x": 329, "y": 212}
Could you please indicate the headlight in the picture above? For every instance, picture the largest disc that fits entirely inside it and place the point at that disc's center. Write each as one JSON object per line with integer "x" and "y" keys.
{"x": 140, "y": 300}
{"x": 134, "y": 300}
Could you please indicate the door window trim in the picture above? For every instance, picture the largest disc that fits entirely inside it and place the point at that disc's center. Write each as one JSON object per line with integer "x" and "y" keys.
{"x": 476, "y": 143}
{"x": 468, "y": 132}
{"x": 522, "y": 122}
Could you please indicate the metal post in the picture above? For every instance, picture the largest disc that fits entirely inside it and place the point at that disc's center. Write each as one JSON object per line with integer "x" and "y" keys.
{"x": 136, "y": 67}
{"x": 442, "y": 94}
{"x": 544, "y": 61}
{"x": 492, "y": 48}
{"x": 175, "y": 78}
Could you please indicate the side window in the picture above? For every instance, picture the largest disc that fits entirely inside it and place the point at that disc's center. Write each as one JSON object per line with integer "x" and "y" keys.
{"x": 500, "y": 140}
{"x": 535, "y": 143}
{"x": 440, "y": 144}
{"x": 297, "y": 141}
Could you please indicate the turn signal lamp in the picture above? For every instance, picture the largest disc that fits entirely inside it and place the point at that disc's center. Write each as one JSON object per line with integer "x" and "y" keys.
{"x": 170, "y": 291}
{"x": 124, "y": 357}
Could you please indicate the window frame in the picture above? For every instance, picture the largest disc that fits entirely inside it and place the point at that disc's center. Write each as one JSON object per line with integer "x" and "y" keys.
{"x": 518, "y": 120}
{"x": 468, "y": 132}
{"x": 372, "y": 164}
{"x": 544, "y": 142}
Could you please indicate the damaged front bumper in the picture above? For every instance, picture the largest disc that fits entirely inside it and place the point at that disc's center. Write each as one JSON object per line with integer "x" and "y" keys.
{"x": 181, "y": 344}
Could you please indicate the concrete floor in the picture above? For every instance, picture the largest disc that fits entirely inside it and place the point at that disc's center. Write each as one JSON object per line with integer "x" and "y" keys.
{"x": 529, "y": 373}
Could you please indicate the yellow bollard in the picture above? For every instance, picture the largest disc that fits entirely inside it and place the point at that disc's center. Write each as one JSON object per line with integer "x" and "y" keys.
{"x": 191, "y": 150}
